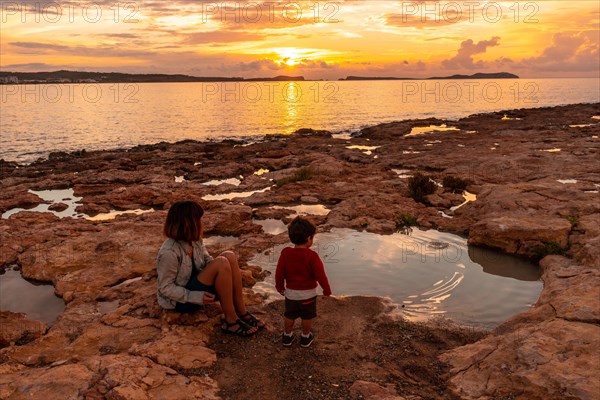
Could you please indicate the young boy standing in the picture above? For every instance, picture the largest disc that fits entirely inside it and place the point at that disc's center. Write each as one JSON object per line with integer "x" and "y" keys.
{"x": 299, "y": 272}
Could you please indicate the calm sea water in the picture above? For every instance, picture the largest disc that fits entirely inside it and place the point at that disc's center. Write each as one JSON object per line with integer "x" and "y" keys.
{"x": 38, "y": 119}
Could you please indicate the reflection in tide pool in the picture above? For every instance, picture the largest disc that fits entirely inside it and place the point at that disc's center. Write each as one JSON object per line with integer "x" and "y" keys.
{"x": 306, "y": 209}
{"x": 217, "y": 182}
{"x": 51, "y": 197}
{"x": 421, "y": 130}
{"x": 368, "y": 150}
{"x": 271, "y": 226}
{"x": 428, "y": 273}
{"x": 469, "y": 197}
{"x": 38, "y": 301}
{"x": 67, "y": 197}
{"x": 114, "y": 214}
{"x": 403, "y": 173}
{"x": 220, "y": 243}
{"x": 233, "y": 195}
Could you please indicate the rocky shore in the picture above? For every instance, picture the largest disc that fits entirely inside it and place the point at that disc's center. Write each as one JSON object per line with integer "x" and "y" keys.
{"x": 536, "y": 176}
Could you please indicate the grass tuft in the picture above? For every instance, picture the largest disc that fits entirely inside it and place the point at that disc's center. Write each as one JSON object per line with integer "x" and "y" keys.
{"x": 404, "y": 222}
{"x": 420, "y": 186}
{"x": 547, "y": 249}
{"x": 574, "y": 220}
{"x": 303, "y": 174}
{"x": 455, "y": 184}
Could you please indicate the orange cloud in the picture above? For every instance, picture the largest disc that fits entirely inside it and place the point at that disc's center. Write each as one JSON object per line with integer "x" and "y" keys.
{"x": 468, "y": 48}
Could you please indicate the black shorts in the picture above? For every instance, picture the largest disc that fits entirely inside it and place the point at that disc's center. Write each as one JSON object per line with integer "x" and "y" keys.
{"x": 194, "y": 285}
{"x": 305, "y": 309}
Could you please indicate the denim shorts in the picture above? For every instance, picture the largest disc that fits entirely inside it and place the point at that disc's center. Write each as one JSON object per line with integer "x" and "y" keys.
{"x": 194, "y": 285}
{"x": 305, "y": 309}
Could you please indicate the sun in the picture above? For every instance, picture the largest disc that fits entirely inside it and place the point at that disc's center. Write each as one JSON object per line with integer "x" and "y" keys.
{"x": 289, "y": 56}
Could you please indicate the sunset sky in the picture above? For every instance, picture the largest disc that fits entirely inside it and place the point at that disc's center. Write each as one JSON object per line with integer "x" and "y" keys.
{"x": 262, "y": 39}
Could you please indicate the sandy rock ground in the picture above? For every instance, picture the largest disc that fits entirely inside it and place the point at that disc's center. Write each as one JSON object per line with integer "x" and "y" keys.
{"x": 536, "y": 179}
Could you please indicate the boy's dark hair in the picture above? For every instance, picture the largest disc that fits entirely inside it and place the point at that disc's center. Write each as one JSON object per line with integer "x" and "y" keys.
{"x": 183, "y": 221}
{"x": 300, "y": 229}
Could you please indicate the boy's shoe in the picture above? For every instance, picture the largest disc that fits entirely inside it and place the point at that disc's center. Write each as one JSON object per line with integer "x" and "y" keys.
{"x": 306, "y": 341}
{"x": 287, "y": 340}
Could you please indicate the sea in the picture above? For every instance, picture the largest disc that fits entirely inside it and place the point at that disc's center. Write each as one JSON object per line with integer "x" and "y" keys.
{"x": 36, "y": 120}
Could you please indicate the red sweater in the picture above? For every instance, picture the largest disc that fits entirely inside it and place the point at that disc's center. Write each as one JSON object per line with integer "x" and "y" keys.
{"x": 301, "y": 269}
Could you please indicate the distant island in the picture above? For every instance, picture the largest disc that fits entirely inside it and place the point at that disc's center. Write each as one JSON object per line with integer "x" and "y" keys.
{"x": 479, "y": 75}
{"x": 64, "y": 76}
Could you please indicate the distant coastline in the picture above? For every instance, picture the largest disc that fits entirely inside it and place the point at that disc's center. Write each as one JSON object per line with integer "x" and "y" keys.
{"x": 479, "y": 75}
{"x": 65, "y": 76}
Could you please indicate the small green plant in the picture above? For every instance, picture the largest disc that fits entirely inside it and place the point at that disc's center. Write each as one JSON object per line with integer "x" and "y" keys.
{"x": 546, "y": 249}
{"x": 573, "y": 220}
{"x": 302, "y": 174}
{"x": 420, "y": 186}
{"x": 404, "y": 221}
{"x": 455, "y": 184}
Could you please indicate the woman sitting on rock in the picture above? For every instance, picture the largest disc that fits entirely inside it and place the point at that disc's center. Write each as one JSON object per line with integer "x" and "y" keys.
{"x": 189, "y": 277}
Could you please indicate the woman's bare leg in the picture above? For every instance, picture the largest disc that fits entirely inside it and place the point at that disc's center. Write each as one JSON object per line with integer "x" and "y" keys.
{"x": 218, "y": 273}
{"x": 236, "y": 282}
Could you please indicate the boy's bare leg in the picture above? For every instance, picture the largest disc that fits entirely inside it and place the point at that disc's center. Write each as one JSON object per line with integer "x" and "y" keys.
{"x": 288, "y": 326}
{"x": 306, "y": 326}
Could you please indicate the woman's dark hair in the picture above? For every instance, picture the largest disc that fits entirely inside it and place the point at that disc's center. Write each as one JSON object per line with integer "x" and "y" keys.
{"x": 300, "y": 229}
{"x": 183, "y": 221}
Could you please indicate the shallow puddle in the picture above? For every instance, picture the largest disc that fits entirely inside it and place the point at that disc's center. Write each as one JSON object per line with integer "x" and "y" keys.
{"x": 342, "y": 135}
{"x": 261, "y": 172}
{"x": 307, "y": 209}
{"x": 580, "y": 126}
{"x": 421, "y": 130}
{"x": 65, "y": 196}
{"x": 555, "y": 150}
{"x": 567, "y": 181}
{"x": 368, "y": 150}
{"x": 233, "y": 195}
{"x": 271, "y": 226}
{"x": 469, "y": 197}
{"x": 426, "y": 273}
{"x": 507, "y": 118}
{"x": 220, "y": 243}
{"x": 114, "y": 214}
{"x": 217, "y": 182}
{"x": 403, "y": 173}
{"x": 37, "y": 300}
{"x": 443, "y": 214}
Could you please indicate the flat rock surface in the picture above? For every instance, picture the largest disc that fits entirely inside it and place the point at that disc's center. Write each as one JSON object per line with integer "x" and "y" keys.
{"x": 536, "y": 182}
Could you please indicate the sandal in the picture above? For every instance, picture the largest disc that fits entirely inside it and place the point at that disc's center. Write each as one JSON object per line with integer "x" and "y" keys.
{"x": 252, "y": 320}
{"x": 243, "y": 329}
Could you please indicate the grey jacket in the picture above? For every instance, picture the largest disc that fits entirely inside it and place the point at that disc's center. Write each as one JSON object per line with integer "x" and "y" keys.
{"x": 174, "y": 268}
